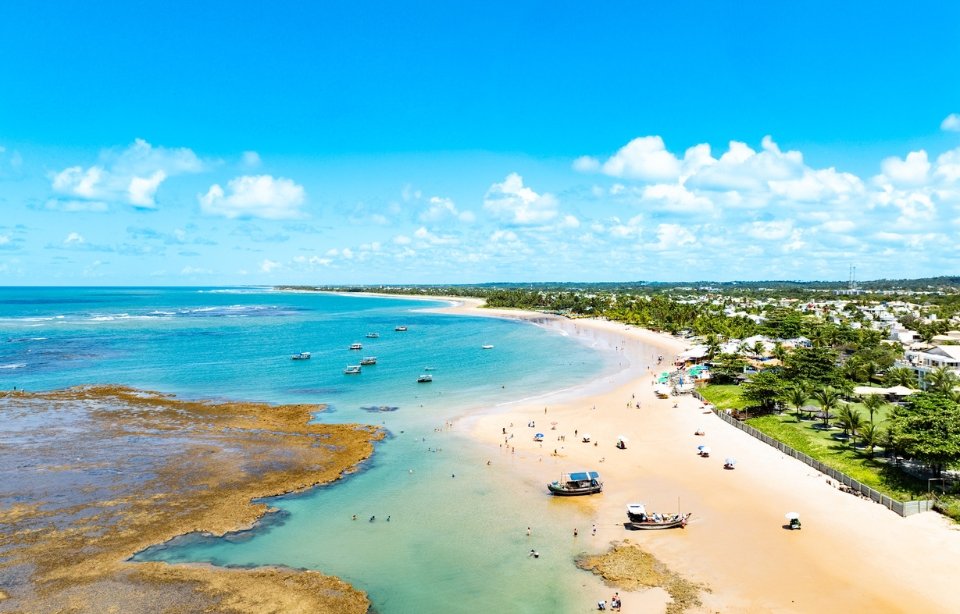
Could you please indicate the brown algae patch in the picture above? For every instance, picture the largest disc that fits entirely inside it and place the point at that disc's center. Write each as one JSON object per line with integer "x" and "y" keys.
{"x": 91, "y": 475}
{"x": 630, "y": 568}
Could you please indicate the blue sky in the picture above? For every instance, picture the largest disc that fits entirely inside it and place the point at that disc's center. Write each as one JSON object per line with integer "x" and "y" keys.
{"x": 439, "y": 142}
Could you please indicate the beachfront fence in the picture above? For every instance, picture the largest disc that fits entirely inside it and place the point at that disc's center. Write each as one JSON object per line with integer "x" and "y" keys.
{"x": 904, "y": 508}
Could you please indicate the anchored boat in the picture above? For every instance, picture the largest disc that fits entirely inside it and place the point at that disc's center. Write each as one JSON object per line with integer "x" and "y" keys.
{"x": 577, "y": 483}
{"x": 352, "y": 370}
{"x": 638, "y": 519}
{"x": 301, "y": 356}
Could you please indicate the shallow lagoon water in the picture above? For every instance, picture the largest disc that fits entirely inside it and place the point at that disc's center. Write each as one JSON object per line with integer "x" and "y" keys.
{"x": 452, "y": 543}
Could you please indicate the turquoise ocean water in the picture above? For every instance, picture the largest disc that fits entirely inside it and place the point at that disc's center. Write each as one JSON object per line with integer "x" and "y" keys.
{"x": 456, "y": 538}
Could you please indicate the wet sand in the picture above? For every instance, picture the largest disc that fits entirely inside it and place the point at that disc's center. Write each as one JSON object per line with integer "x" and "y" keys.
{"x": 851, "y": 555}
{"x": 91, "y": 475}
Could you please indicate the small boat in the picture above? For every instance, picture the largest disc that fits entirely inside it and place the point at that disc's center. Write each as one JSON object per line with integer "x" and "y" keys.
{"x": 578, "y": 483}
{"x": 356, "y": 346}
{"x": 373, "y": 335}
{"x": 425, "y": 378}
{"x": 486, "y": 346}
{"x": 428, "y": 368}
{"x": 401, "y": 329}
{"x": 638, "y": 519}
{"x": 368, "y": 360}
{"x": 352, "y": 370}
{"x": 301, "y": 356}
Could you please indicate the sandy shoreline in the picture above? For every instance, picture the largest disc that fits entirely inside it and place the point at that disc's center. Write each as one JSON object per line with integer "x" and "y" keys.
{"x": 852, "y": 555}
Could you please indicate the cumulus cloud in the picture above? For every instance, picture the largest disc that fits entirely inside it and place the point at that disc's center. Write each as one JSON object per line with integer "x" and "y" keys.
{"x": 260, "y": 196}
{"x": 131, "y": 176}
{"x": 951, "y": 123}
{"x": 911, "y": 171}
{"x": 514, "y": 203}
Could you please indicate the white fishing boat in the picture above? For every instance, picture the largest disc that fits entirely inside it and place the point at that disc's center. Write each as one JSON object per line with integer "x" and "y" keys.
{"x": 356, "y": 346}
{"x": 401, "y": 329}
{"x": 425, "y": 378}
{"x": 301, "y": 356}
{"x": 368, "y": 360}
{"x": 373, "y": 335}
{"x": 486, "y": 346}
{"x": 352, "y": 370}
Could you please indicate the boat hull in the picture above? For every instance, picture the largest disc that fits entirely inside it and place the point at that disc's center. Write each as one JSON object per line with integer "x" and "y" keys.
{"x": 652, "y": 525}
{"x": 561, "y": 491}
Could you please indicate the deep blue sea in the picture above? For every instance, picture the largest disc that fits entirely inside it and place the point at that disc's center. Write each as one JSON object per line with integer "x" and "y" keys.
{"x": 456, "y": 538}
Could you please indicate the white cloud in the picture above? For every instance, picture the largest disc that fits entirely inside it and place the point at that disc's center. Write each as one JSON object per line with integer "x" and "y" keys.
{"x": 142, "y": 190}
{"x": 770, "y": 231}
{"x": 442, "y": 208}
{"x": 192, "y": 270}
{"x": 951, "y": 123}
{"x": 643, "y": 158}
{"x": 401, "y": 240}
{"x": 911, "y": 171}
{"x": 132, "y": 175}
{"x": 586, "y": 164}
{"x": 674, "y": 197}
{"x": 251, "y": 159}
{"x": 73, "y": 205}
{"x": 673, "y": 236}
{"x": 260, "y": 196}
{"x": 515, "y": 203}
{"x": 74, "y": 238}
{"x": 4, "y": 239}
{"x": 268, "y": 266}
{"x": 838, "y": 226}
{"x": 313, "y": 261}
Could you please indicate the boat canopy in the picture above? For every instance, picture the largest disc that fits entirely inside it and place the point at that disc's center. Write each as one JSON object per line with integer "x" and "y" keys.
{"x": 636, "y": 509}
{"x": 583, "y": 476}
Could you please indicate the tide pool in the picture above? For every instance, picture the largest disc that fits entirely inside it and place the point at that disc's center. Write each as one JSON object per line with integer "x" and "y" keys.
{"x": 456, "y": 539}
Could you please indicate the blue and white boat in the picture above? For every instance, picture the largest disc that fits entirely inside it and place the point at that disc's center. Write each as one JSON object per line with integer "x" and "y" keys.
{"x": 577, "y": 483}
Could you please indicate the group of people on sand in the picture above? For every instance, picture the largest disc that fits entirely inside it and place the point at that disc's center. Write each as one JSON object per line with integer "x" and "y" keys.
{"x": 614, "y": 603}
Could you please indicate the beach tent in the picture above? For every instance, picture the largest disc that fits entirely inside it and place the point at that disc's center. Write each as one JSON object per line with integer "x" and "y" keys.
{"x": 865, "y": 390}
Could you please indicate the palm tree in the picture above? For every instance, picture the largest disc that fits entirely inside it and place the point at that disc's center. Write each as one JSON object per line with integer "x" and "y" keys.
{"x": 870, "y": 437}
{"x": 901, "y": 376}
{"x": 798, "y": 396}
{"x": 851, "y": 420}
{"x": 873, "y": 402}
{"x": 828, "y": 399}
{"x": 779, "y": 352}
{"x": 942, "y": 379}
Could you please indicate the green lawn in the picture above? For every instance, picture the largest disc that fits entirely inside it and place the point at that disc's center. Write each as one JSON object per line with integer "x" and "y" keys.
{"x": 823, "y": 445}
{"x": 725, "y": 396}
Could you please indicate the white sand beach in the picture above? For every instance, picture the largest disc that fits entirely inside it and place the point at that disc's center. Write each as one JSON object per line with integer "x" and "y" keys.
{"x": 851, "y": 555}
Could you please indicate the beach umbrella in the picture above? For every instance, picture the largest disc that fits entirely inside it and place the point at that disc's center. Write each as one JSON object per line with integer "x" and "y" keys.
{"x": 539, "y": 435}
{"x": 586, "y": 436}
{"x": 792, "y": 516}
{"x": 700, "y": 448}
{"x": 623, "y": 439}
{"x": 730, "y": 461}
{"x": 705, "y": 450}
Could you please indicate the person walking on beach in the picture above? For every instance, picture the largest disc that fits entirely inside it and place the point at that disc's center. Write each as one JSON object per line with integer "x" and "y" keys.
{"x": 528, "y": 531}
{"x": 575, "y": 532}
